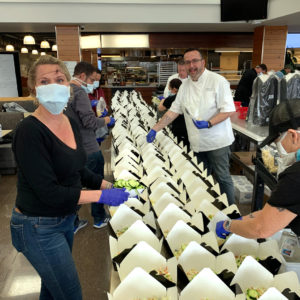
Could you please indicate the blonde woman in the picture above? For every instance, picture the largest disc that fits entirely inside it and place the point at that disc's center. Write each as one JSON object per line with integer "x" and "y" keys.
{"x": 50, "y": 158}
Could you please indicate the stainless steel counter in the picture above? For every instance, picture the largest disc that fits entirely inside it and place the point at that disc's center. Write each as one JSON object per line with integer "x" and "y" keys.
{"x": 256, "y": 133}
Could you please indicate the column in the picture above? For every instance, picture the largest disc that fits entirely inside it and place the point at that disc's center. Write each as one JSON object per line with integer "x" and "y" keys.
{"x": 68, "y": 42}
{"x": 269, "y": 44}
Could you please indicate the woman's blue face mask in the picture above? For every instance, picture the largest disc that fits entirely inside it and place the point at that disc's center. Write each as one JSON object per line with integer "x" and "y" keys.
{"x": 54, "y": 97}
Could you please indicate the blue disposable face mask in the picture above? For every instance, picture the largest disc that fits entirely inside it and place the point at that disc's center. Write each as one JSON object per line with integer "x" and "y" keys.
{"x": 88, "y": 88}
{"x": 96, "y": 84}
{"x": 54, "y": 97}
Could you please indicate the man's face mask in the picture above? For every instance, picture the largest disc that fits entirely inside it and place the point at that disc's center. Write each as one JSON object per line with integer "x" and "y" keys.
{"x": 54, "y": 97}
{"x": 286, "y": 159}
{"x": 89, "y": 88}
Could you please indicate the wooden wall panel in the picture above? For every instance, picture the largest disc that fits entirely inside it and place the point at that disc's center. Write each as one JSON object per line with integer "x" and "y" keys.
{"x": 229, "y": 61}
{"x": 68, "y": 42}
{"x": 274, "y": 47}
{"x": 203, "y": 40}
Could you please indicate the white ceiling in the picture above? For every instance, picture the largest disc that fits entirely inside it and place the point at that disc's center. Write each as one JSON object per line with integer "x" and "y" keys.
{"x": 128, "y": 16}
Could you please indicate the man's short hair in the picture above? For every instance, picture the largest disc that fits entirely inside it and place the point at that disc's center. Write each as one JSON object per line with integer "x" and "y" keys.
{"x": 175, "y": 83}
{"x": 263, "y": 67}
{"x": 193, "y": 49}
{"x": 98, "y": 71}
{"x": 84, "y": 67}
{"x": 283, "y": 117}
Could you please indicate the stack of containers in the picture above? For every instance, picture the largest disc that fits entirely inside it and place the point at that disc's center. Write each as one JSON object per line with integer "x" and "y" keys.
{"x": 163, "y": 242}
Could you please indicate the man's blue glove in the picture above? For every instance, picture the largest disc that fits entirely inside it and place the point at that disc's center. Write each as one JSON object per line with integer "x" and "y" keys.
{"x": 151, "y": 136}
{"x": 111, "y": 122}
{"x": 221, "y": 231}
{"x": 113, "y": 197}
{"x": 201, "y": 124}
{"x": 161, "y": 97}
{"x": 104, "y": 113}
{"x": 100, "y": 140}
{"x": 94, "y": 103}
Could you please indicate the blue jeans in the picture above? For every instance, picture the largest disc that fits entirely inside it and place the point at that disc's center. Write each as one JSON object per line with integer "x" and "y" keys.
{"x": 217, "y": 162}
{"x": 95, "y": 163}
{"x": 47, "y": 244}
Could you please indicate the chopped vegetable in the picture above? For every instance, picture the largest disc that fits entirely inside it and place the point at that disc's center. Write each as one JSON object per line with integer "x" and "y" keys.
{"x": 121, "y": 231}
{"x": 164, "y": 272}
{"x": 240, "y": 258}
{"x": 177, "y": 252}
{"x": 252, "y": 294}
{"x": 191, "y": 274}
{"x": 128, "y": 184}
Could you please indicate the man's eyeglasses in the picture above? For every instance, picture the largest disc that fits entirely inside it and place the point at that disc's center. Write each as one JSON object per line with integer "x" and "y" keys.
{"x": 193, "y": 61}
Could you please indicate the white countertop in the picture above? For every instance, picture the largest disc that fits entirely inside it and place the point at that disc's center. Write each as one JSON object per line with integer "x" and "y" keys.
{"x": 255, "y": 132}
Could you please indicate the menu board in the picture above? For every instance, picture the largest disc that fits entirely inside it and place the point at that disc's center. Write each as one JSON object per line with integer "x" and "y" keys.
{"x": 10, "y": 79}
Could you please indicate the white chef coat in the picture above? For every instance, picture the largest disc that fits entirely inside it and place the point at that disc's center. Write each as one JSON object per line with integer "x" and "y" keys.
{"x": 202, "y": 100}
{"x": 174, "y": 76}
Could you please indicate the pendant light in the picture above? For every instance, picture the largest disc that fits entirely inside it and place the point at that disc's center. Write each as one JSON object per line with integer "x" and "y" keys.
{"x": 35, "y": 52}
{"x": 45, "y": 45}
{"x": 43, "y": 53}
{"x": 29, "y": 40}
{"x": 24, "y": 50}
{"x": 54, "y": 48}
{"x": 10, "y": 48}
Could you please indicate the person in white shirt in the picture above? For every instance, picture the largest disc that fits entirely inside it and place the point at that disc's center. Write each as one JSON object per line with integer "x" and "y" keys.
{"x": 205, "y": 100}
{"x": 182, "y": 75}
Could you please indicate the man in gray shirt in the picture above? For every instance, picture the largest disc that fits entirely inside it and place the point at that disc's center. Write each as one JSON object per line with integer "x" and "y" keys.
{"x": 81, "y": 111}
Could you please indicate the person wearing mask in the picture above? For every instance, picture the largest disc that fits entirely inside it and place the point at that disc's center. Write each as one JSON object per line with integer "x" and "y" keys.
{"x": 98, "y": 95}
{"x": 244, "y": 89}
{"x": 181, "y": 75}
{"x": 283, "y": 207}
{"x": 51, "y": 172}
{"x": 80, "y": 110}
{"x": 178, "y": 126}
{"x": 286, "y": 70}
{"x": 205, "y": 100}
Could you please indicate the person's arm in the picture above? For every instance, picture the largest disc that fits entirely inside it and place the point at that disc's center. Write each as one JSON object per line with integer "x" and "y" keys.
{"x": 85, "y": 112}
{"x": 220, "y": 117}
{"x": 264, "y": 223}
{"x": 167, "y": 118}
{"x": 161, "y": 106}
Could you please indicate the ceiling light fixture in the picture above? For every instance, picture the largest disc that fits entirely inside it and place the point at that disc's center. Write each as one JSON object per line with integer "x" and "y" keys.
{"x": 45, "y": 45}
{"x": 35, "y": 52}
{"x": 10, "y": 48}
{"x": 24, "y": 50}
{"x": 54, "y": 48}
{"x": 43, "y": 53}
{"x": 29, "y": 40}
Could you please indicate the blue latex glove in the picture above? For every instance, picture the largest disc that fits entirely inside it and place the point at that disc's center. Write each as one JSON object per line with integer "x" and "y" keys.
{"x": 113, "y": 197}
{"x": 161, "y": 97}
{"x": 104, "y": 114}
{"x": 221, "y": 231}
{"x": 151, "y": 136}
{"x": 111, "y": 122}
{"x": 100, "y": 140}
{"x": 94, "y": 103}
{"x": 201, "y": 124}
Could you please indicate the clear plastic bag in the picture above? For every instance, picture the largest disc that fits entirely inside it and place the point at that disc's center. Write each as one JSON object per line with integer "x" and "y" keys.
{"x": 13, "y": 107}
{"x": 263, "y": 99}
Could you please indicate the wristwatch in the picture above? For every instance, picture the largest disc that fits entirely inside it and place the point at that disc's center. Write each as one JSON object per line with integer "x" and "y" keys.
{"x": 209, "y": 124}
{"x": 227, "y": 225}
